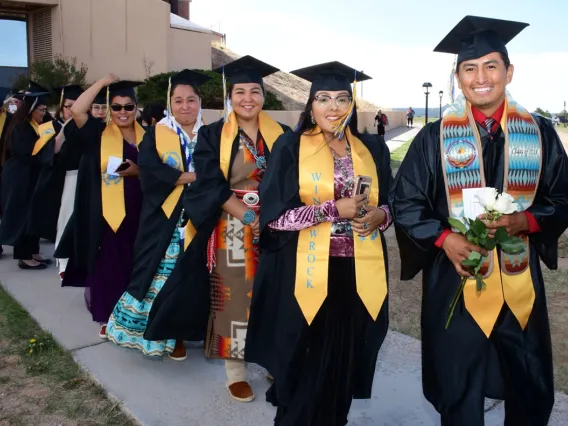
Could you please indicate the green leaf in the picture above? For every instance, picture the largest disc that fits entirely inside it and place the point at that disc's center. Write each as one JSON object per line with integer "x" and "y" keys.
{"x": 479, "y": 282}
{"x": 501, "y": 235}
{"x": 478, "y": 227}
{"x": 490, "y": 244}
{"x": 471, "y": 263}
{"x": 482, "y": 242}
{"x": 457, "y": 224}
{"x": 474, "y": 256}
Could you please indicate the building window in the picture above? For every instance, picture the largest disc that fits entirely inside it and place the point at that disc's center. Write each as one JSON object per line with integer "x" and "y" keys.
{"x": 41, "y": 35}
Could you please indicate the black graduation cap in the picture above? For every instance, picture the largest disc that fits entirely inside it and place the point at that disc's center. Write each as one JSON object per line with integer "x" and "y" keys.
{"x": 18, "y": 94}
{"x": 124, "y": 88}
{"x": 474, "y": 37}
{"x": 189, "y": 77}
{"x": 101, "y": 98}
{"x": 247, "y": 70}
{"x": 71, "y": 91}
{"x": 331, "y": 76}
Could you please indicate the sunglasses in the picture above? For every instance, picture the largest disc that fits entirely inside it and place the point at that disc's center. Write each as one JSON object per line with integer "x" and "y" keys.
{"x": 127, "y": 107}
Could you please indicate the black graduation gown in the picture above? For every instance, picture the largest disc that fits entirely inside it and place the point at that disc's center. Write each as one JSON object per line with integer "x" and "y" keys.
{"x": 460, "y": 365}
{"x": 157, "y": 180}
{"x": 181, "y": 309}
{"x": 19, "y": 178}
{"x": 80, "y": 240}
{"x": 46, "y": 199}
{"x": 277, "y": 328}
{"x": 3, "y": 131}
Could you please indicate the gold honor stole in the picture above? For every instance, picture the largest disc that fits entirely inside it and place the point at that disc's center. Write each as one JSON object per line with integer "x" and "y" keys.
{"x": 112, "y": 187}
{"x": 269, "y": 129}
{"x": 46, "y": 132}
{"x": 3, "y": 116}
{"x": 169, "y": 149}
{"x": 462, "y": 163}
{"x": 316, "y": 179}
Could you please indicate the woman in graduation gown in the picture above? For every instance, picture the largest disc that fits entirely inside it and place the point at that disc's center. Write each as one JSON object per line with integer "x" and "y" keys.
{"x": 223, "y": 203}
{"x": 99, "y": 238}
{"x": 19, "y": 179}
{"x": 46, "y": 201}
{"x": 319, "y": 310}
{"x": 166, "y": 169}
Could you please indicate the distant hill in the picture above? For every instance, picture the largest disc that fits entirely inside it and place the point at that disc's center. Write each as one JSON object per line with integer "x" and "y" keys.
{"x": 291, "y": 90}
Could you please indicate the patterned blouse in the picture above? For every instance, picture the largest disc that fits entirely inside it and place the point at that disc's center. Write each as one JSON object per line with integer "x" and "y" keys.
{"x": 307, "y": 216}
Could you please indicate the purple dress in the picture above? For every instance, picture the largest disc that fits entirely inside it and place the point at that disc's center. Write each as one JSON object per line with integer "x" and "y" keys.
{"x": 99, "y": 259}
{"x": 114, "y": 261}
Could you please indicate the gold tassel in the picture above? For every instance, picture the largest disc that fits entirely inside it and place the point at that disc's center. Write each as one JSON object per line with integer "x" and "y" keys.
{"x": 61, "y": 99}
{"x": 108, "y": 106}
{"x": 168, "y": 101}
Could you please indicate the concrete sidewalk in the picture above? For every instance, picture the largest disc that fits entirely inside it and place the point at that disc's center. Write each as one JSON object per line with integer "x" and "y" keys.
{"x": 192, "y": 393}
{"x": 395, "y": 138}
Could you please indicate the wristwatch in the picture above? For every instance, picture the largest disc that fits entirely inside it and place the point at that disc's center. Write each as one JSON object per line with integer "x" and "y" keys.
{"x": 249, "y": 217}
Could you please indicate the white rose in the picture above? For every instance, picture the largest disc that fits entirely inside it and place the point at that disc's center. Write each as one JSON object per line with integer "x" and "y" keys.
{"x": 487, "y": 198}
{"x": 505, "y": 204}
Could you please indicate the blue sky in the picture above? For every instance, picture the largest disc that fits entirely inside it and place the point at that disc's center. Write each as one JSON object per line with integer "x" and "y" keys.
{"x": 13, "y": 51}
{"x": 392, "y": 41}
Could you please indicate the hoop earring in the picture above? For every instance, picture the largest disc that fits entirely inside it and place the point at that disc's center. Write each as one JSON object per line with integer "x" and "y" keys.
{"x": 313, "y": 120}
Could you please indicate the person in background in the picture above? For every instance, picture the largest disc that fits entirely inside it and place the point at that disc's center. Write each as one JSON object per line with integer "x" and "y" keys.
{"x": 166, "y": 170}
{"x": 46, "y": 201}
{"x": 410, "y": 117}
{"x": 381, "y": 121}
{"x": 320, "y": 340}
{"x": 99, "y": 105}
{"x": 99, "y": 238}
{"x": 497, "y": 344}
{"x": 19, "y": 178}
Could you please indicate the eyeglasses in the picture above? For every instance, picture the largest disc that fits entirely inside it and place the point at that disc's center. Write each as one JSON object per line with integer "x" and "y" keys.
{"x": 67, "y": 106}
{"x": 127, "y": 107}
{"x": 342, "y": 101}
{"x": 42, "y": 110}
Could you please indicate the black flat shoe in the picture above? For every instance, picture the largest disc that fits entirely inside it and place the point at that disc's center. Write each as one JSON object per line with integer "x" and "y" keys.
{"x": 23, "y": 265}
{"x": 47, "y": 262}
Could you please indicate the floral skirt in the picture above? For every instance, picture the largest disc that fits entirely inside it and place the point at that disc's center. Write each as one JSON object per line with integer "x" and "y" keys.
{"x": 128, "y": 321}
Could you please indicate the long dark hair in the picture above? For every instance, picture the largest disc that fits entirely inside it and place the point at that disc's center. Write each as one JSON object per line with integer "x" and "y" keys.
{"x": 305, "y": 123}
{"x": 22, "y": 114}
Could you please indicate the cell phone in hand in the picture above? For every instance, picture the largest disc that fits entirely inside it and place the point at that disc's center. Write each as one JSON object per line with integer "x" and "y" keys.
{"x": 363, "y": 185}
{"x": 122, "y": 167}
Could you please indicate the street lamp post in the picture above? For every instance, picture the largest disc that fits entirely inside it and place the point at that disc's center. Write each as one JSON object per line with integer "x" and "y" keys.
{"x": 426, "y": 86}
{"x": 441, "y": 95}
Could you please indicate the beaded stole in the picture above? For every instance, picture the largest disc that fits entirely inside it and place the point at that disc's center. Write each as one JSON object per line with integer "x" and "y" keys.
{"x": 462, "y": 165}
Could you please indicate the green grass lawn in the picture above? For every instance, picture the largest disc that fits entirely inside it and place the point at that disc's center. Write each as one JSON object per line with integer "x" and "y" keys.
{"x": 561, "y": 128}
{"x": 41, "y": 383}
{"x": 398, "y": 154}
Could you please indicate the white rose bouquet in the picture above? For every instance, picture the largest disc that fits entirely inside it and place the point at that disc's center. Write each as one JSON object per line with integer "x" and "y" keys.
{"x": 476, "y": 232}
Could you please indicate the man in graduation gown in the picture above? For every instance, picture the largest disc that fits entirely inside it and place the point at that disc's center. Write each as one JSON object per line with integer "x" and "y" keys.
{"x": 498, "y": 343}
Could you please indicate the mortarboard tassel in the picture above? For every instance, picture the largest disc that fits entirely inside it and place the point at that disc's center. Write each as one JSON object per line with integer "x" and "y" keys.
{"x": 168, "y": 101}
{"x": 108, "y": 106}
{"x": 61, "y": 99}
{"x": 225, "y": 98}
{"x": 341, "y": 124}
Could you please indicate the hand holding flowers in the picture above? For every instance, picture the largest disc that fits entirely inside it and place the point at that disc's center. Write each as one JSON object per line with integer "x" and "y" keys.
{"x": 497, "y": 227}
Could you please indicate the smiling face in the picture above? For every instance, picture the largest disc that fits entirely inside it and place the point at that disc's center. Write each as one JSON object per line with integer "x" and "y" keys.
{"x": 326, "y": 110}
{"x": 247, "y": 100}
{"x": 99, "y": 111}
{"x": 483, "y": 81}
{"x": 185, "y": 104}
{"x": 123, "y": 111}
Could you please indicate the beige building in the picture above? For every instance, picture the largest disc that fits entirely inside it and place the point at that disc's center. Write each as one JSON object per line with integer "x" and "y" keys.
{"x": 132, "y": 38}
